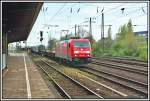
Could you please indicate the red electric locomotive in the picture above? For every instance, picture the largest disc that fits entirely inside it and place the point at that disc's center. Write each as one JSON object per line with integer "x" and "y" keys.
{"x": 74, "y": 50}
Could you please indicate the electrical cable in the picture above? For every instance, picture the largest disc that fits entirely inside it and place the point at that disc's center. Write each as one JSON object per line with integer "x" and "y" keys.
{"x": 57, "y": 12}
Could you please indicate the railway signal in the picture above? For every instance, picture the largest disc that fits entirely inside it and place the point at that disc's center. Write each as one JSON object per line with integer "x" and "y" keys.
{"x": 41, "y": 36}
{"x": 41, "y": 33}
{"x": 41, "y": 39}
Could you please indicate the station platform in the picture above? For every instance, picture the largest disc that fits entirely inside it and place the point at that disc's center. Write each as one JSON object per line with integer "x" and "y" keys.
{"x": 22, "y": 80}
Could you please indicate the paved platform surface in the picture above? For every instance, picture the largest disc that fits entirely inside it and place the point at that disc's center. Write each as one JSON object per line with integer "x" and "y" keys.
{"x": 23, "y": 80}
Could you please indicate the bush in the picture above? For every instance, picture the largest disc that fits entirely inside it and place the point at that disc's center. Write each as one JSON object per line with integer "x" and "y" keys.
{"x": 143, "y": 53}
{"x": 125, "y": 44}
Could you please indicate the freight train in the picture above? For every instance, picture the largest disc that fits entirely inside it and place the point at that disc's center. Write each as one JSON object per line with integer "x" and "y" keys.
{"x": 71, "y": 51}
{"x": 40, "y": 50}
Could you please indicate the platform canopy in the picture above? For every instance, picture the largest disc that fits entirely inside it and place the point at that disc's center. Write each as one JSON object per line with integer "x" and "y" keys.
{"x": 18, "y": 19}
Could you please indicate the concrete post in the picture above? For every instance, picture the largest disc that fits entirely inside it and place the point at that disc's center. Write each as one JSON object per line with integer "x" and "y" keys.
{"x": 4, "y": 50}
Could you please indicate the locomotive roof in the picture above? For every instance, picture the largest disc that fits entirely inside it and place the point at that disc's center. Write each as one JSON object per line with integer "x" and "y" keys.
{"x": 79, "y": 39}
{"x": 64, "y": 41}
{"x": 73, "y": 40}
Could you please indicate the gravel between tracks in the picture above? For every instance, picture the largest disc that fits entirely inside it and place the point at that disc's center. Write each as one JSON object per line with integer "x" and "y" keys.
{"x": 134, "y": 76}
{"x": 134, "y": 63}
{"x": 76, "y": 74}
{"x": 71, "y": 88}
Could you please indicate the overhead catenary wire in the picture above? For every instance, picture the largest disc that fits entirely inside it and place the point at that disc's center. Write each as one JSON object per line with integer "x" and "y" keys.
{"x": 79, "y": 10}
{"x": 57, "y": 12}
{"x": 105, "y": 11}
{"x": 60, "y": 10}
{"x": 139, "y": 8}
{"x": 116, "y": 7}
{"x": 108, "y": 11}
{"x": 52, "y": 18}
{"x": 129, "y": 13}
{"x": 135, "y": 11}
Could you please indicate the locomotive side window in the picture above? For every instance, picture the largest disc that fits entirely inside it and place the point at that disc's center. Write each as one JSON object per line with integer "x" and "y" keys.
{"x": 81, "y": 44}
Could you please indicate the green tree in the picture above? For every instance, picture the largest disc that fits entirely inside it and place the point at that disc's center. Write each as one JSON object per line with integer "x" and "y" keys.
{"x": 122, "y": 32}
{"x": 127, "y": 44}
{"x": 51, "y": 44}
{"x": 108, "y": 40}
{"x": 97, "y": 49}
{"x": 109, "y": 33}
{"x": 126, "y": 39}
{"x": 142, "y": 48}
{"x": 129, "y": 41}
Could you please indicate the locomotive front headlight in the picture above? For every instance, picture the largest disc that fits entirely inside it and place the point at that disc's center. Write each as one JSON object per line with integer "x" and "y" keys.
{"x": 76, "y": 51}
{"x": 87, "y": 51}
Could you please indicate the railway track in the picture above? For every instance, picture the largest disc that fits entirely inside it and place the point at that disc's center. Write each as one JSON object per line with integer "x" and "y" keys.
{"x": 125, "y": 61}
{"x": 133, "y": 85}
{"x": 122, "y": 67}
{"x": 137, "y": 86}
{"x": 138, "y": 89}
{"x": 69, "y": 87}
{"x": 104, "y": 91}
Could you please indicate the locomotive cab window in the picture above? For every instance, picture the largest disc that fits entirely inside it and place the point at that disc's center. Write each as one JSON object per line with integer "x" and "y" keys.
{"x": 81, "y": 44}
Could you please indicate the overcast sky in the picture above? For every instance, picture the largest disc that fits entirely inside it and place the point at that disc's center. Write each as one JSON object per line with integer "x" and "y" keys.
{"x": 60, "y": 14}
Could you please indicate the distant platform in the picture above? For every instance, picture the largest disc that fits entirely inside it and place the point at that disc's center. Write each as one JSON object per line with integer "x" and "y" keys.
{"x": 21, "y": 79}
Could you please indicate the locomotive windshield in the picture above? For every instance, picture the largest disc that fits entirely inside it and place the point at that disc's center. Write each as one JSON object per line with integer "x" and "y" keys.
{"x": 81, "y": 44}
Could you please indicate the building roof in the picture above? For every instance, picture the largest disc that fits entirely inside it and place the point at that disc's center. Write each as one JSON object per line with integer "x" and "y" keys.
{"x": 141, "y": 32}
{"x": 18, "y": 19}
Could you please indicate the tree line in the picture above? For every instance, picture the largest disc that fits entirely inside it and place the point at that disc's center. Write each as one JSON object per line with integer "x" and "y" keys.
{"x": 126, "y": 43}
